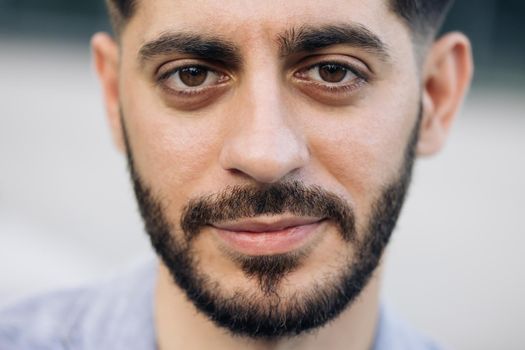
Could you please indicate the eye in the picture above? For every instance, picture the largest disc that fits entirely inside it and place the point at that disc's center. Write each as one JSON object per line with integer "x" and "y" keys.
{"x": 191, "y": 78}
{"x": 333, "y": 73}
{"x": 332, "y": 82}
{"x": 329, "y": 74}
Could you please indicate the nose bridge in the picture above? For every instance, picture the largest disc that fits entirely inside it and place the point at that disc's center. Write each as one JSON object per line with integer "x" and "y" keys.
{"x": 265, "y": 144}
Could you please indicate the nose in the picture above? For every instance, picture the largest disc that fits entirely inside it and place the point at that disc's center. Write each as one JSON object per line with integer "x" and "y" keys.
{"x": 265, "y": 142}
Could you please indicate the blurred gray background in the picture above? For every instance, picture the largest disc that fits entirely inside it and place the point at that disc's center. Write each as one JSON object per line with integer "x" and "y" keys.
{"x": 68, "y": 216}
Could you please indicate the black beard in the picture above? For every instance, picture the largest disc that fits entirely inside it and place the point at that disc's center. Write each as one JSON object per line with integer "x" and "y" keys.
{"x": 265, "y": 314}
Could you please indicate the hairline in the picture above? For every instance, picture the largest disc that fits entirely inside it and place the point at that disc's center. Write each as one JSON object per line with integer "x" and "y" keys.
{"x": 421, "y": 33}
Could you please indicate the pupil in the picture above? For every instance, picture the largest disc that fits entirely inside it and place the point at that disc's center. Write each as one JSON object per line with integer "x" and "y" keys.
{"x": 332, "y": 73}
{"x": 193, "y": 76}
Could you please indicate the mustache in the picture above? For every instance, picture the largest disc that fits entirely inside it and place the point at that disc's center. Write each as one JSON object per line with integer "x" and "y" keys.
{"x": 238, "y": 202}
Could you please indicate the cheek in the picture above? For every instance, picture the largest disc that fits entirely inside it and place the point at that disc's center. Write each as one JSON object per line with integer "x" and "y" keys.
{"x": 171, "y": 153}
{"x": 171, "y": 149}
{"x": 364, "y": 152}
{"x": 353, "y": 156}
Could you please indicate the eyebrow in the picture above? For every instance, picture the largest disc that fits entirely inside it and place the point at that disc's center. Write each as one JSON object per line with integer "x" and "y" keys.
{"x": 191, "y": 44}
{"x": 295, "y": 40}
{"x": 312, "y": 38}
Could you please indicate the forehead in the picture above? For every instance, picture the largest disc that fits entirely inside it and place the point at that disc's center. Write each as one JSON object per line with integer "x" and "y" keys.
{"x": 246, "y": 20}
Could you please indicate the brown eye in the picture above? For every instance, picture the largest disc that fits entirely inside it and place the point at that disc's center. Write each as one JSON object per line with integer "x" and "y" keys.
{"x": 332, "y": 73}
{"x": 193, "y": 76}
{"x": 329, "y": 74}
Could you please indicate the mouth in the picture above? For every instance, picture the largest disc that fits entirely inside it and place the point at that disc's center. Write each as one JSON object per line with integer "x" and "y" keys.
{"x": 268, "y": 235}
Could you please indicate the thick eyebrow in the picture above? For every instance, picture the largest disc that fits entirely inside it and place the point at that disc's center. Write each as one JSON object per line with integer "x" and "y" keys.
{"x": 191, "y": 44}
{"x": 312, "y": 38}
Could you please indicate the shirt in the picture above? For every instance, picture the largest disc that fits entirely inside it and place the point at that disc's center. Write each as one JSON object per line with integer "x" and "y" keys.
{"x": 118, "y": 315}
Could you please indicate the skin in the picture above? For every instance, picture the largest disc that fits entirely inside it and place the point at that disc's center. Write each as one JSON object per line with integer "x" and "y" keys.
{"x": 264, "y": 125}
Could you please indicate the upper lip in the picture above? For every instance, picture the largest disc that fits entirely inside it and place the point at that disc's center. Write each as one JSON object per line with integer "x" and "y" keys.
{"x": 266, "y": 223}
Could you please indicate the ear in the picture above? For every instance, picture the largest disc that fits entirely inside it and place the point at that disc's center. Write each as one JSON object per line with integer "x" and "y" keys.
{"x": 447, "y": 74}
{"x": 106, "y": 60}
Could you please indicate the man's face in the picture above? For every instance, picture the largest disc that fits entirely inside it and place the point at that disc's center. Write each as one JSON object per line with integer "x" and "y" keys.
{"x": 231, "y": 106}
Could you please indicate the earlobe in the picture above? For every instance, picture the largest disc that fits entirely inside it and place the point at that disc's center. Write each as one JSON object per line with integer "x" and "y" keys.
{"x": 447, "y": 74}
{"x": 106, "y": 60}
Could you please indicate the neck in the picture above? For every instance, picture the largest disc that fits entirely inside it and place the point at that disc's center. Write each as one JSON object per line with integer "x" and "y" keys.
{"x": 180, "y": 326}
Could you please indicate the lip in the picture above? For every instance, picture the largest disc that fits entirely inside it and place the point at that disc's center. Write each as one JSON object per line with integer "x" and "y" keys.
{"x": 268, "y": 235}
{"x": 266, "y": 223}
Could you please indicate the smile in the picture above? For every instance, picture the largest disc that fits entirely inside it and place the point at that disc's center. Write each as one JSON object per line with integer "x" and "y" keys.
{"x": 268, "y": 235}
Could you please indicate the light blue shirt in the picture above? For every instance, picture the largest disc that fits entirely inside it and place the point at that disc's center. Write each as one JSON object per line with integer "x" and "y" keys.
{"x": 118, "y": 315}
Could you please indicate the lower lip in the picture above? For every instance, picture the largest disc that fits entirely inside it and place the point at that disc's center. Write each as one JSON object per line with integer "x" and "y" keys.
{"x": 269, "y": 243}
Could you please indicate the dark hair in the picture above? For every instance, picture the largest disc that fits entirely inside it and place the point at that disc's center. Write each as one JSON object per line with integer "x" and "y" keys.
{"x": 423, "y": 17}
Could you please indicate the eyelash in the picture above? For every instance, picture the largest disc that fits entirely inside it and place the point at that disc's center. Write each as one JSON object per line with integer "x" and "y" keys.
{"x": 361, "y": 79}
{"x": 163, "y": 77}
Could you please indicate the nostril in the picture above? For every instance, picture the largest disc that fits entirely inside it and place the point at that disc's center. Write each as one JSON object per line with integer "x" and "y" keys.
{"x": 237, "y": 172}
{"x": 263, "y": 170}
{"x": 263, "y": 162}
{"x": 264, "y": 152}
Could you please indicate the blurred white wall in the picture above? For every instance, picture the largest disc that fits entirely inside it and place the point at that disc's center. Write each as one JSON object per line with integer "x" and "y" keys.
{"x": 67, "y": 213}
